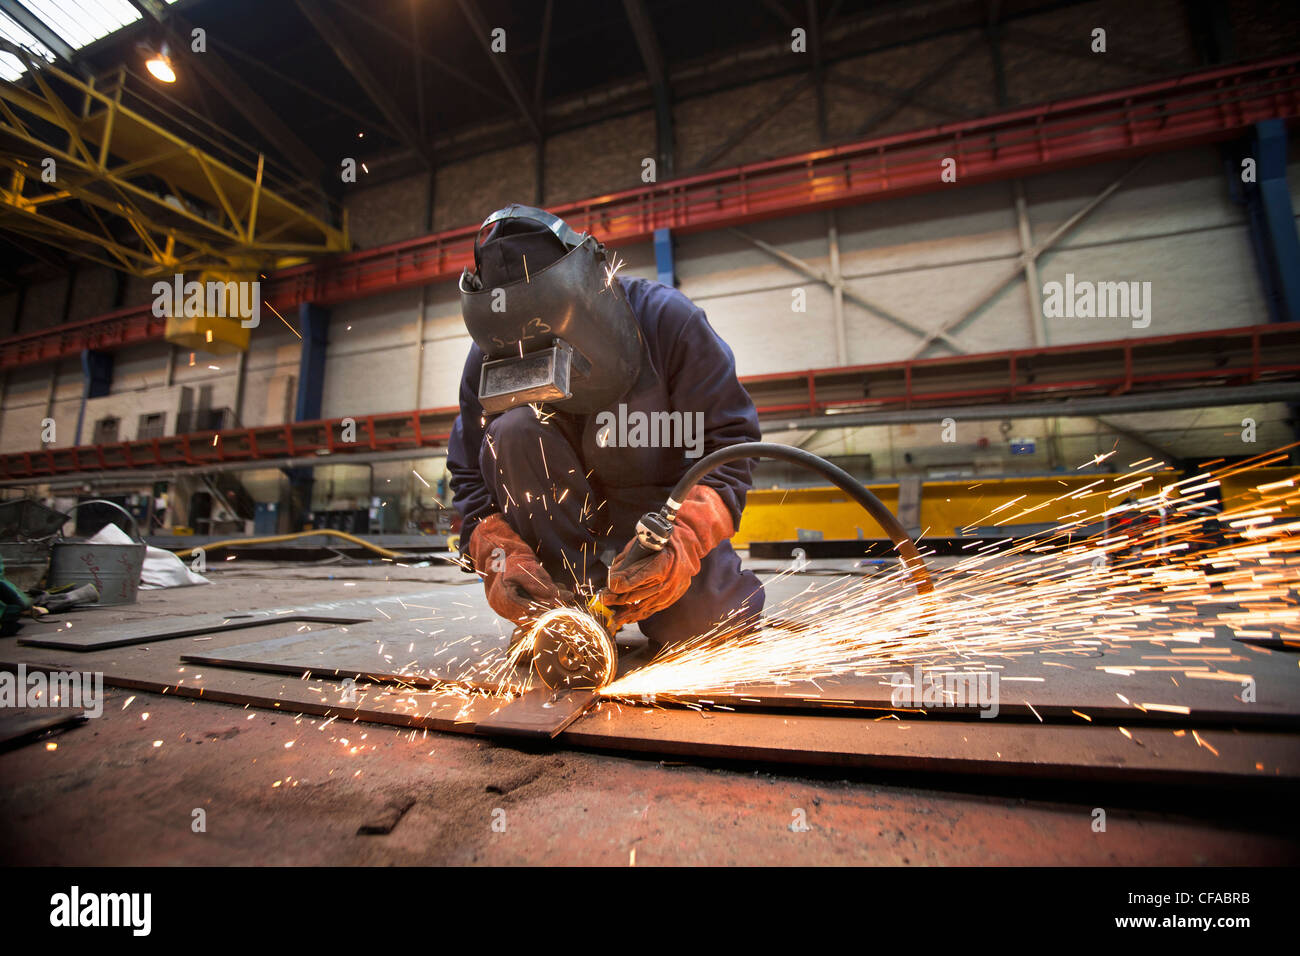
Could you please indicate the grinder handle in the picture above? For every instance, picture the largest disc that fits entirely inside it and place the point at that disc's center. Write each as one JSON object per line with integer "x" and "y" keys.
{"x": 638, "y": 552}
{"x": 652, "y": 534}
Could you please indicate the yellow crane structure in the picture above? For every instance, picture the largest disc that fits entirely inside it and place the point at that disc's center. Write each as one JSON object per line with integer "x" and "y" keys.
{"x": 82, "y": 172}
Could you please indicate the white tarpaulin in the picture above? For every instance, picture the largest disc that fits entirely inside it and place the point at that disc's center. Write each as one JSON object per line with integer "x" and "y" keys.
{"x": 162, "y": 569}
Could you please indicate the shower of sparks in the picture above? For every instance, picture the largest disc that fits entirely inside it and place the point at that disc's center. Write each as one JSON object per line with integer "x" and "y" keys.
{"x": 611, "y": 270}
{"x": 1168, "y": 568}
{"x": 1141, "y": 558}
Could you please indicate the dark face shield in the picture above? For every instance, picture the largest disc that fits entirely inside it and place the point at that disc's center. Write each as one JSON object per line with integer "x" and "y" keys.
{"x": 564, "y": 335}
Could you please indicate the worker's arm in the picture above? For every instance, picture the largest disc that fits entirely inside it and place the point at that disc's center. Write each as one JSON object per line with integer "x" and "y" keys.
{"x": 700, "y": 372}
{"x": 470, "y": 494}
{"x": 702, "y": 378}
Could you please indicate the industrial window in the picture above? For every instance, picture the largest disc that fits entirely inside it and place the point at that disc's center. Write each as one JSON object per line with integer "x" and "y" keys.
{"x": 105, "y": 431}
{"x": 153, "y": 425}
{"x": 46, "y": 27}
{"x": 11, "y": 67}
{"x": 82, "y": 22}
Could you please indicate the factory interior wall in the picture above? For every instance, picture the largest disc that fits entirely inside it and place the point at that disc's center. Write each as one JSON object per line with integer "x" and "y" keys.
{"x": 1056, "y": 445}
{"x": 927, "y": 259}
{"x": 1041, "y": 60}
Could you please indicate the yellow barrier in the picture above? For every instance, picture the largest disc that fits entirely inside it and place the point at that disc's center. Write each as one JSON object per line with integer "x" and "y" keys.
{"x": 777, "y": 514}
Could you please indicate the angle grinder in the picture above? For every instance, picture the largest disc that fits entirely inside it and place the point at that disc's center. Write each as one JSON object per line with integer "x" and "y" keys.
{"x": 573, "y": 648}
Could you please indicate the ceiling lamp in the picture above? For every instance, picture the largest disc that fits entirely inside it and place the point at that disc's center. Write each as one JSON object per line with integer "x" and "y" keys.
{"x": 160, "y": 65}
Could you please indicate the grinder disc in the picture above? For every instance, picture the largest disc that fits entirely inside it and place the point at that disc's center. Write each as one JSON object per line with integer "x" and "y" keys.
{"x": 571, "y": 649}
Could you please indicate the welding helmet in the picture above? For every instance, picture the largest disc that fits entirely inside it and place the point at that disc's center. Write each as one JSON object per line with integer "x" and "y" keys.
{"x": 553, "y": 324}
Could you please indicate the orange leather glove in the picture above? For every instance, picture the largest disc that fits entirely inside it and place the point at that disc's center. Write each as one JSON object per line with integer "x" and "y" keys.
{"x": 648, "y": 586}
{"x": 517, "y": 585}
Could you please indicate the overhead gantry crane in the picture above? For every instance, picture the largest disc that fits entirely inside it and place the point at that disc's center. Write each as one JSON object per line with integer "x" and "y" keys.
{"x": 87, "y": 174}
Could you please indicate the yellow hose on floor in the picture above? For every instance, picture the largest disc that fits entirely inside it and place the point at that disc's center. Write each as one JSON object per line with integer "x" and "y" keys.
{"x": 275, "y": 539}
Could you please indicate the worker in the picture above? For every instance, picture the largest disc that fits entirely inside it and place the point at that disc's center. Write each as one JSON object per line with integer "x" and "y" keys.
{"x": 586, "y": 395}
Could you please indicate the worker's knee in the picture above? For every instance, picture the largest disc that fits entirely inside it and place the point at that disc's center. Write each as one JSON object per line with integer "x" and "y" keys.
{"x": 517, "y": 425}
{"x": 504, "y": 438}
{"x": 721, "y": 595}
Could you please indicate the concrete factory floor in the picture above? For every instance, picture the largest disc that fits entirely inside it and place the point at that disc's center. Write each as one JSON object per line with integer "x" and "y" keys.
{"x": 107, "y": 795}
{"x": 277, "y": 788}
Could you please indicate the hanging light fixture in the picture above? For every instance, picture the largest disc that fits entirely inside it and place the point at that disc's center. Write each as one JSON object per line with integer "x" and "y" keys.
{"x": 159, "y": 65}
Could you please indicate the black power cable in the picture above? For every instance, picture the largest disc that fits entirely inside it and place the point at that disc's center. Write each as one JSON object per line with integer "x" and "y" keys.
{"x": 654, "y": 529}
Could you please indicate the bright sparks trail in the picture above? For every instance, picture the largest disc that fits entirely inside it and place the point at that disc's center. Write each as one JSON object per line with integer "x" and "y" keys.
{"x": 1166, "y": 567}
{"x": 1153, "y": 564}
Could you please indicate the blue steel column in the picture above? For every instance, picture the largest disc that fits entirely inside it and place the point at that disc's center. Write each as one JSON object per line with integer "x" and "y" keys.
{"x": 1272, "y": 222}
{"x": 1273, "y": 234}
{"x": 97, "y": 376}
{"x": 313, "y": 324}
{"x": 664, "y": 257}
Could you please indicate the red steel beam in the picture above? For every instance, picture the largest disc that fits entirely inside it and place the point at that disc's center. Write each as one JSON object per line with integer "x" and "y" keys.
{"x": 1219, "y": 357}
{"x": 1196, "y": 108}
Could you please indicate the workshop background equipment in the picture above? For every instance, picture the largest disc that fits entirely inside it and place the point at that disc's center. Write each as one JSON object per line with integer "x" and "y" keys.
{"x": 27, "y": 530}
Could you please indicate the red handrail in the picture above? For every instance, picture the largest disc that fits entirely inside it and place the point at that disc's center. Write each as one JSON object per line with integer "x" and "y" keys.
{"x": 1210, "y": 359}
